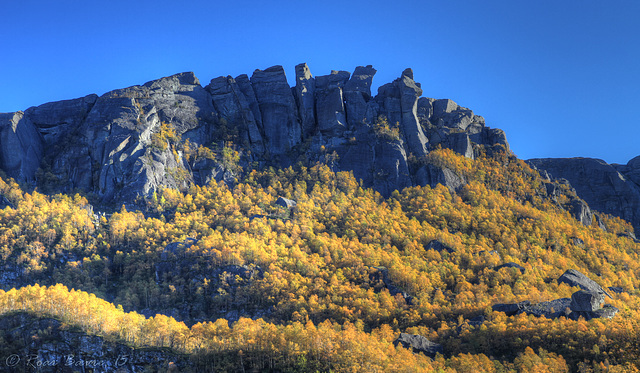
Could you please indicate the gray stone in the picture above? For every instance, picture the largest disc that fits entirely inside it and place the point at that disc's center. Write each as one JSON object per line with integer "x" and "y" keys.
{"x": 391, "y": 171}
{"x": 286, "y": 203}
{"x": 438, "y": 246}
{"x": 606, "y": 312}
{"x": 55, "y": 119}
{"x": 357, "y": 94}
{"x": 604, "y": 187}
{"x": 574, "y": 278}
{"x": 581, "y": 211}
{"x": 235, "y": 109}
{"x": 105, "y": 145}
{"x": 586, "y": 301}
{"x": 411, "y": 128}
{"x": 278, "y": 108}
{"x": 419, "y": 344}
{"x": 551, "y": 309}
{"x": 21, "y": 146}
{"x": 330, "y": 110}
{"x": 511, "y": 309}
{"x": 510, "y": 265}
{"x": 617, "y": 289}
{"x": 304, "y": 92}
{"x": 433, "y": 175}
{"x": 460, "y": 143}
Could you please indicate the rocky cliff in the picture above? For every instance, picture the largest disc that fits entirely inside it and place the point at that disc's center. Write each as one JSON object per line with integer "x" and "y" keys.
{"x": 610, "y": 188}
{"x": 172, "y": 132}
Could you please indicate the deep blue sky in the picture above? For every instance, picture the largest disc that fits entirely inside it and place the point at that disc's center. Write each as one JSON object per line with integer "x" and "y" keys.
{"x": 562, "y": 78}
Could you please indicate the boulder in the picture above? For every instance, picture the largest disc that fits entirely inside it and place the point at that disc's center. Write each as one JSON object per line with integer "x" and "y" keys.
{"x": 55, "y": 119}
{"x": 551, "y": 309}
{"x": 418, "y": 344}
{"x": 398, "y": 102}
{"x": 510, "y": 265}
{"x": 286, "y": 203}
{"x": 460, "y": 143}
{"x": 617, "y": 289}
{"x": 438, "y": 246}
{"x": 586, "y": 301}
{"x": 581, "y": 211}
{"x": 574, "y": 278}
{"x": 511, "y": 308}
{"x": 606, "y": 312}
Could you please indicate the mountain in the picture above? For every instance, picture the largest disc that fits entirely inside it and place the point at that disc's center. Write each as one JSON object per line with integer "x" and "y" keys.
{"x": 130, "y": 142}
{"x": 252, "y": 226}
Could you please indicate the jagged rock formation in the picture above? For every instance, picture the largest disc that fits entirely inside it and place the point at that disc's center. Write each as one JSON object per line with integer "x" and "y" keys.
{"x": 130, "y": 142}
{"x": 419, "y": 343}
{"x": 610, "y": 188}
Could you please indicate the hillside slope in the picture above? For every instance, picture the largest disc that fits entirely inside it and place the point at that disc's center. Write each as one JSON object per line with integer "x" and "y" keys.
{"x": 287, "y": 258}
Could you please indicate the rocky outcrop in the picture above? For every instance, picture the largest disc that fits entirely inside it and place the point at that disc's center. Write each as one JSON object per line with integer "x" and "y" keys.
{"x": 332, "y": 118}
{"x": 586, "y": 303}
{"x": 612, "y": 189}
{"x": 419, "y": 344}
{"x": 129, "y": 142}
{"x": 21, "y": 148}
{"x": 277, "y": 106}
{"x": 304, "y": 92}
{"x": 573, "y": 277}
{"x": 234, "y": 108}
{"x": 62, "y": 349}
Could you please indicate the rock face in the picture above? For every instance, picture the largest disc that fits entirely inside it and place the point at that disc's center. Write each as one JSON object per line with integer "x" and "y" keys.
{"x": 612, "y": 189}
{"x": 129, "y": 142}
{"x": 419, "y": 344}
{"x": 21, "y": 150}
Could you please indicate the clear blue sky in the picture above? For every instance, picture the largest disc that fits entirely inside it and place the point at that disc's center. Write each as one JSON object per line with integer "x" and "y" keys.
{"x": 562, "y": 78}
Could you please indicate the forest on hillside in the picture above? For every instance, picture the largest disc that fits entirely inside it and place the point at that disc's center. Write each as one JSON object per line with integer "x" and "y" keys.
{"x": 232, "y": 281}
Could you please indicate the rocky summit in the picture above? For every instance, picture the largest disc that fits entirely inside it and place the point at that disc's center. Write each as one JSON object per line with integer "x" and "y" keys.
{"x": 610, "y": 188}
{"x": 130, "y": 142}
